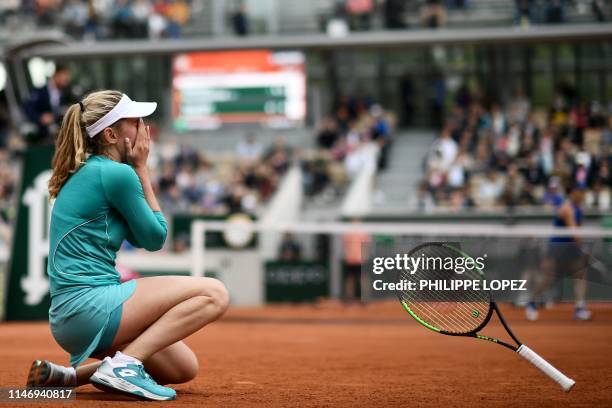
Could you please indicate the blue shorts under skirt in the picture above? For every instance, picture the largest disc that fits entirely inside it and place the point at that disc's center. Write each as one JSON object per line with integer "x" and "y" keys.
{"x": 84, "y": 322}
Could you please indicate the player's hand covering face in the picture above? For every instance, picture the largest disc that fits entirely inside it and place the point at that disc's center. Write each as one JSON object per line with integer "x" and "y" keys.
{"x": 137, "y": 140}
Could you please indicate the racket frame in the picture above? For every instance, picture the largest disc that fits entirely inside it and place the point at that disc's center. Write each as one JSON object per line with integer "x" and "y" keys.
{"x": 565, "y": 382}
{"x": 474, "y": 333}
{"x": 492, "y": 307}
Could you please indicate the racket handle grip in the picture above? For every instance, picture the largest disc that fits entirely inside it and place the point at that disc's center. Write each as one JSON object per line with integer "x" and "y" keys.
{"x": 564, "y": 381}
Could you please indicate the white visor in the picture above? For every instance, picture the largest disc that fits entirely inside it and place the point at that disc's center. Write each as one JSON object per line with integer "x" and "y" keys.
{"x": 126, "y": 108}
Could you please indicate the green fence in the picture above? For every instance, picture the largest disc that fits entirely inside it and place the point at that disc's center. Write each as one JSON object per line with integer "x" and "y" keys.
{"x": 296, "y": 281}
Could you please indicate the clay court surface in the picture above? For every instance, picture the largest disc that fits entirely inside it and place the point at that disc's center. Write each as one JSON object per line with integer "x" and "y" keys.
{"x": 376, "y": 356}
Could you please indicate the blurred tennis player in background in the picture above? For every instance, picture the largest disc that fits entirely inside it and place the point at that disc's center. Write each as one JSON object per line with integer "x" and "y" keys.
{"x": 565, "y": 256}
{"x": 354, "y": 284}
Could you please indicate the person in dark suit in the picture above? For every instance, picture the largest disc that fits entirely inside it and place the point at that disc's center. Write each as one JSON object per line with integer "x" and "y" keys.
{"x": 240, "y": 21}
{"x": 45, "y": 106}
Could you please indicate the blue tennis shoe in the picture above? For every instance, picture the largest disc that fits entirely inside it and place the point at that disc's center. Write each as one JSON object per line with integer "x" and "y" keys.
{"x": 130, "y": 379}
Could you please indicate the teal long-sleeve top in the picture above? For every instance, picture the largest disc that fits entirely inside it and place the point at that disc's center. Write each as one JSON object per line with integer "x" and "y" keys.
{"x": 98, "y": 207}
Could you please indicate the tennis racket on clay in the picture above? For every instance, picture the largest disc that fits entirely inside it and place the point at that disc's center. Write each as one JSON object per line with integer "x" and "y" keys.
{"x": 462, "y": 313}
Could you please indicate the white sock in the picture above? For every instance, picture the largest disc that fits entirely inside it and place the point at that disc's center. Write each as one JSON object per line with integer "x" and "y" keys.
{"x": 70, "y": 377}
{"x": 124, "y": 358}
{"x": 62, "y": 376}
{"x": 581, "y": 304}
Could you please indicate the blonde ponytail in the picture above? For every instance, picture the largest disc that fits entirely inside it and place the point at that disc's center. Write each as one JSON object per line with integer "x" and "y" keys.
{"x": 73, "y": 144}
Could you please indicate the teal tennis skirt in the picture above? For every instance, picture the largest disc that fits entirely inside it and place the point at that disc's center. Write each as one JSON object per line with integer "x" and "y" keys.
{"x": 84, "y": 322}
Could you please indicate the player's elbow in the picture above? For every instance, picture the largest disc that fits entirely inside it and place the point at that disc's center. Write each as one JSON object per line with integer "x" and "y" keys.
{"x": 152, "y": 247}
{"x": 155, "y": 240}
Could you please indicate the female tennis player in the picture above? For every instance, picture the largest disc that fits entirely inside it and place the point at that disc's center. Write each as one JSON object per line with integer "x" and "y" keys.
{"x": 103, "y": 195}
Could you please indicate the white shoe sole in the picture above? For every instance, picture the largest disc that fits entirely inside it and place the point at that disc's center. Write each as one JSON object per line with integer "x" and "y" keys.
{"x": 532, "y": 315}
{"x": 584, "y": 317}
{"x": 106, "y": 382}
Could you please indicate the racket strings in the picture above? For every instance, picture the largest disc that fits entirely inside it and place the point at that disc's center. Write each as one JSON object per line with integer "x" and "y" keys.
{"x": 469, "y": 294}
{"x": 461, "y": 320}
{"x": 456, "y": 323}
{"x": 453, "y": 311}
{"x": 433, "y": 311}
{"x": 434, "y": 317}
{"x": 429, "y": 311}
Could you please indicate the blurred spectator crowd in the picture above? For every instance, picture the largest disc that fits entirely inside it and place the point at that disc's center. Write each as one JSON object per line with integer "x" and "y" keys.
{"x": 341, "y": 140}
{"x": 10, "y": 147}
{"x": 9, "y": 173}
{"x": 360, "y": 15}
{"x": 188, "y": 181}
{"x": 100, "y": 19}
{"x": 555, "y": 11}
{"x": 111, "y": 19}
{"x": 488, "y": 155}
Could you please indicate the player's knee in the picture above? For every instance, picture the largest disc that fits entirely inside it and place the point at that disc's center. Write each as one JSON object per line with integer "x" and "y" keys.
{"x": 188, "y": 370}
{"x": 220, "y": 297}
{"x": 180, "y": 373}
{"x": 212, "y": 305}
{"x": 216, "y": 291}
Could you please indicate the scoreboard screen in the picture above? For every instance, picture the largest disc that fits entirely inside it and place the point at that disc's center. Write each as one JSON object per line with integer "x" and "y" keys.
{"x": 211, "y": 89}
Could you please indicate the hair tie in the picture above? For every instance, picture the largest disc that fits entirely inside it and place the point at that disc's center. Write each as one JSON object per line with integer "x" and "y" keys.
{"x": 82, "y": 107}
